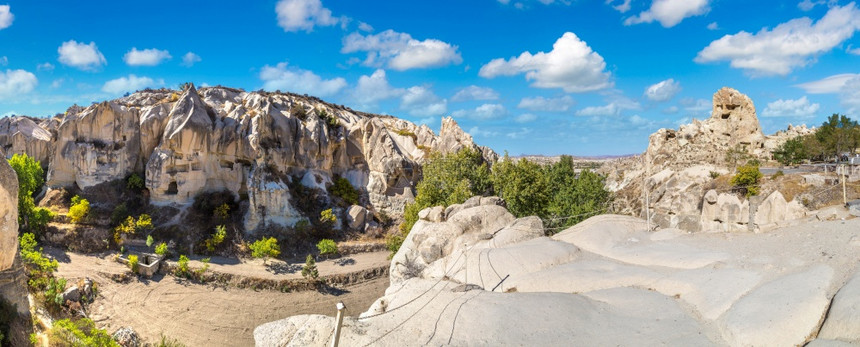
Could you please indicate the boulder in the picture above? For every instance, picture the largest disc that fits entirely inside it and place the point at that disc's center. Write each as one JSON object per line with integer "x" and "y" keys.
{"x": 72, "y": 294}
{"x": 843, "y": 318}
{"x": 355, "y": 217}
{"x": 126, "y": 337}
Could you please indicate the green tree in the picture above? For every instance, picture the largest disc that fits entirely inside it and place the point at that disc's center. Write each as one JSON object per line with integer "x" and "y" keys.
{"x": 791, "y": 152}
{"x": 39, "y": 268}
{"x": 839, "y": 134}
{"x": 310, "y": 271}
{"x": 344, "y": 190}
{"x": 80, "y": 332}
{"x": 265, "y": 248}
{"x": 747, "y": 179}
{"x": 573, "y": 197}
{"x": 448, "y": 179}
{"x": 31, "y": 177}
{"x": 79, "y": 210}
{"x": 135, "y": 183}
{"x": 523, "y": 185}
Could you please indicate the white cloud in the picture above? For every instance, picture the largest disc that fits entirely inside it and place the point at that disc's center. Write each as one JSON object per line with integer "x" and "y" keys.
{"x": 190, "y": 58}
{"x": 6, "y": 17}
{"x": 539, "y": 103}
{"x": 671, "y": 110}
{"x": 483, "y": 112}
{"x": 808, "y": 5}
{"x": 828, "y": 85}
{"x": 613, "y": 108}
{"x": 281, "y": 77}
{"x": 399, "y": 51}
{"x": 696, "y": 105}
{"x": 427, "y": 121}
{"x": 571, "y": 65}
{"x": 520, "y": 134}
{"x": 474, "y": 92}
{"x": 854, "y": 51}
{"x": 296, "y": 15}
{"x": 800, "y": 108}
{"x": 670, "y": 12}
{"x": 792, "y": 44}
{"x": 477, "y": 132}
{"x": 373, "y": 88}
{"x": 663, "y": 91}
{"x": 57, "y": 83}
{"x": 13, "y": 83}
{"x": 129, "y": 84}
{"x": 421, "y": 101}
{"x": 850, "y": 96}
{"x": 623, "y": 6}
{"x": 45, "y": 67}
{"x": 713, "y": 26}
{"x": 365, "y": 27}
{"x": 145, "y": 57}
{"x": 525, "y": 118}
{"x": 80, "y": 55}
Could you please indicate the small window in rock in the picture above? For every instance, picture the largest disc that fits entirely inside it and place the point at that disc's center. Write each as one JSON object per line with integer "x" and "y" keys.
{"x": 172, "y": 189}
{"x": 123, "y": 138}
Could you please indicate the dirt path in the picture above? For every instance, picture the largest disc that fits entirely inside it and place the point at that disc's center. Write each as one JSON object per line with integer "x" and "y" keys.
{"x": 201, "y": 315}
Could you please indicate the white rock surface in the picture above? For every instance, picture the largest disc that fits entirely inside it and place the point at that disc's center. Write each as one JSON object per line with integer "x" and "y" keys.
{"x": 843, "y": 318}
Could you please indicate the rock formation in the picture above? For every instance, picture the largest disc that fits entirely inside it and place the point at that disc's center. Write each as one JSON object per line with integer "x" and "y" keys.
{"x": 13, "y": 279}
{"x": 254, "y": 145}
{"x": 472, "y": 274}
{"x": 678, "y": 169}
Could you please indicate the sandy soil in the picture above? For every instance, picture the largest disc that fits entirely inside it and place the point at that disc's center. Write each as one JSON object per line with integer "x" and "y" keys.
{"x": 201, "y": 315}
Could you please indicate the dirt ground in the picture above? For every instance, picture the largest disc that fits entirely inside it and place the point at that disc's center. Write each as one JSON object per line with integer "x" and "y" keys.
{"x": 202, "y": 315}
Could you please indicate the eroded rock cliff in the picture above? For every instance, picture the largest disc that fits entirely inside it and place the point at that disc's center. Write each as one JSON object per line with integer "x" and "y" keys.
{"x": 253, "y": 144}
{"x": 13, "y": 278}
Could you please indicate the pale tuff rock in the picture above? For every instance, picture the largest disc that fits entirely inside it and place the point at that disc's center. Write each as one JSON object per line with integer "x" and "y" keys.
{"x": 605, "y": 281}
{"x": 254, "y": 144}
{"x": 8, "y": 215}
{"x": 13, "y": 277}
{"x": 678, "y": 165}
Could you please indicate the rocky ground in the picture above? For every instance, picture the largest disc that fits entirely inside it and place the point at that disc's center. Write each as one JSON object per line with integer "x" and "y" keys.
{"x": 605, "y": 281}
{"x": 206, "y": 315}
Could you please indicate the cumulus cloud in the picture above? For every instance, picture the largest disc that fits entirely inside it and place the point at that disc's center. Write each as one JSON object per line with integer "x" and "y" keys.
{"x": 13, "y": 83}
{"x": 190, "y": 58}
{"x": 539, "y": 103}
{"x": 282, "y": 77}
{"x": 374, "y": 88}
{"x": 483, "y": 112}
{"x": 792, "y": 44}
{"x": 83, "y": 56}
{"x": 145, "y": 57}
{"x": 799, "y": 108}
{"x": 421, "y": 101}
{"x": 808, "y": 5}
{"x": 663, "y": 91}
{"x": 6, "y": 17}
{"x": 571, "y": 65}
{"x": 474, "y": 92}
{"x": 525, "y": 118}
{"x": 399, "y": 51}
{"x": 670, "y": 12}
{"x": 129, "y": 84}
{"x": 297, "y": 15}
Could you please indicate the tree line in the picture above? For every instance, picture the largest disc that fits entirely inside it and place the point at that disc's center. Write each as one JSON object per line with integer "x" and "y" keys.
{"x": 837, "y": 136}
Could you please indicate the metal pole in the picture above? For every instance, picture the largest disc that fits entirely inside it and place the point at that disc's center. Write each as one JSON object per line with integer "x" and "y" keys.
{"x": 336, "y": 340}
{"x": 844, "y": 192}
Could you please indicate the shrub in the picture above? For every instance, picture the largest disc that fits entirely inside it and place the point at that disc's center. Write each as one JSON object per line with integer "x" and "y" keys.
{"x": 79, "y": 332}
{"x": 222, "y": 212}
{"x": 135, "y": 183}
{"x": 133, "y": 262}
{"x": 310, "y": 271}
{"x": 265, "y": 248}
{"x": 791, "y": 152}
{"x": 149, "y": 240}
{"x": 182, "y": 267}
{"x": 393, "y": 242}
{"x": 714, "y": 174}
{"x": 39, "y": 268}
{"x": 747, "y": 179}
{"x": 216, "y": 239}
{"x": 161, "y": 249}
{"x": 165, "y": 341}
{"x": 198, "y": 273}
{"x": 31, "y": 177}
{"x": 54, "y": 294}
{"x": 341, "y": 188}
{"x": 327, "y": 247}
{"x": 130, "y": 226}
{"x": 79, "y": 210}
{"x": 328, "y": 217}
{"x": 120, "y": 213}
{"x": 778, "y": 174}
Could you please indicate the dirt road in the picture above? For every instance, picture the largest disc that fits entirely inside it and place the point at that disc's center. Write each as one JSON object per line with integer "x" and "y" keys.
{"x": 201, "y": 315}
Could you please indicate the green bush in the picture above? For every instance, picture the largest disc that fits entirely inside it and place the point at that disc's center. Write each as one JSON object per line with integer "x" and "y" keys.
{"x": 39, "y": 268}
{"x": 133, "y": 263}
{"x": 182, "y": 267}
{"x": 265, "y": 248}
{"x": 54, "y": 294}
{"x": 31, "y": 177}
{"x": 341, "y": 188}
{"x": 310, "y": 271}
{"x": 135, "y": 183}
{"x": 79, "y": 210}
{"x": 222, "y": 212}
{"x": 119, "y": 214}
{"x": 714, "y": 174}
{"x": 80, "y": 332}
{"x": 130, "y": 226}
{"x": 393, "y": 242}
{"x": 149, "y": 240}
{"x": 161, "y": 249}
{"x": 216, "y": 239}
{"x": 327, "y": 247}
{"x": 328, "y": 217}
{"x": 791, "y": 152}
{"x": 747, "y": 179}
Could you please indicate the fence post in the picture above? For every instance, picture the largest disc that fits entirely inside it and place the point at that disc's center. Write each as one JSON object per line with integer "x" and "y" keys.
{"x": 336, "y": 340}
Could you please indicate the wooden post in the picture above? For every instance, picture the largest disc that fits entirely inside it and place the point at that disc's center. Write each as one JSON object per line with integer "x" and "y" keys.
{"x": 336, "y": 340}
{"x": 843, "y": 178}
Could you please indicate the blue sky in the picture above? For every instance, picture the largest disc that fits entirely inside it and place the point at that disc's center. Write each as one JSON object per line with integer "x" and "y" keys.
{"x": 586, "y": 77}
